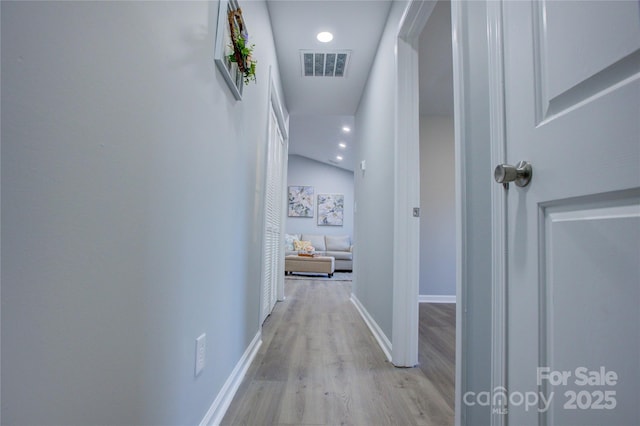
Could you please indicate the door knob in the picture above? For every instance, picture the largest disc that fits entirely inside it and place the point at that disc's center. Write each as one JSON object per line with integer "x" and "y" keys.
{"x": 520, "y": 173}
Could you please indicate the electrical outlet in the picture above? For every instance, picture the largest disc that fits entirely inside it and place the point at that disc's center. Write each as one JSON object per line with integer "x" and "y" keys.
{"x": 201, "y": 351}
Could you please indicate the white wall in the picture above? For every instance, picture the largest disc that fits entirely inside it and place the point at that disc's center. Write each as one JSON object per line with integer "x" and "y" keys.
{"x": 132, "y": 203}
{"x": 437, "y": 207}
{"x": 325, "y": 179}
{"x": 375, "y": 133}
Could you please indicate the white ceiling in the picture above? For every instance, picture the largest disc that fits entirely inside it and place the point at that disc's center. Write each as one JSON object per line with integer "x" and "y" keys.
{"x": 320, "y": 106}
{"x": 356, "y": 25}
{"x": 318, "y": 136}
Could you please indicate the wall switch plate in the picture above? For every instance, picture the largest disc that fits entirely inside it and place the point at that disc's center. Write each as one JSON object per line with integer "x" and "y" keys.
{"x": 363, "y": 165}
{"x": 201, "y": 351}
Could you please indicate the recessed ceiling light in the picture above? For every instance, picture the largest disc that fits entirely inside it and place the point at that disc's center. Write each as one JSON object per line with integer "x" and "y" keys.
{"x": 339, "y": 157}
{"x": 346, "y": 129}
{"x": 324, "y": 37}
{"x": 342, "y": 145}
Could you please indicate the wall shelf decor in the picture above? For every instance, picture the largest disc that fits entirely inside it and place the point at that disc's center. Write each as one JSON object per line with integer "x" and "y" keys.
{"x": 300, "y": 201}
{"x": 331, "y": 209}
{"x": 232, "y": 53}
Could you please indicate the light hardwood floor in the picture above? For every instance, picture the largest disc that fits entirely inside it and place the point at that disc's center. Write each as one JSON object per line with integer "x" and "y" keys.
{"x": 320, "y": 365}
{"x": 437, "y": 347}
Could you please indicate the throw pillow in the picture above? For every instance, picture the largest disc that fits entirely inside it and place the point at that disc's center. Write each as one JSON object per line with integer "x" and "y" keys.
{"x": 289, "y": 239}
{"x": 316, "y": 240}
{"x": 301, "y": 245}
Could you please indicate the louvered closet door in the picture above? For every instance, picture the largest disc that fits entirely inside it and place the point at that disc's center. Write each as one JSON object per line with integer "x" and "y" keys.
{"x": 273, "y": 266}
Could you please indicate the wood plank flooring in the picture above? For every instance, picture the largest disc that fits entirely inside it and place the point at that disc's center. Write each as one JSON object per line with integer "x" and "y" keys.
{"x": 437, "y": 347}
{"x": 320, "y": 365}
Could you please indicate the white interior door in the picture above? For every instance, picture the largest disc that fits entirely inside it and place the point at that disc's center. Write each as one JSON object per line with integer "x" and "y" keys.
{"x": 273, "y": 266}
{"x": 572, "y": 101}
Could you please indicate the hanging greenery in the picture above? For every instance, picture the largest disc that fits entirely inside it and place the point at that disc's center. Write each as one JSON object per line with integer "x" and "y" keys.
{"x": 242, "y": 50}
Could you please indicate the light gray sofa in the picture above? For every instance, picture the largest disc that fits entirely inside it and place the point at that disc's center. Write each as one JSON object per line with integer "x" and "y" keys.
{"x": 337, "y": 246}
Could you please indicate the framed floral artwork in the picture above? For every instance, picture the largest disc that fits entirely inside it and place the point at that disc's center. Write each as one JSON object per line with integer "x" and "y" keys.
{"x": 330, "y": 209}
{"x": 301, "y": 201}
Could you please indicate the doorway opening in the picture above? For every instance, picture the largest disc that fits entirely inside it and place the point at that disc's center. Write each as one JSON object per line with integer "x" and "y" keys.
{"x": 437, "y": 284}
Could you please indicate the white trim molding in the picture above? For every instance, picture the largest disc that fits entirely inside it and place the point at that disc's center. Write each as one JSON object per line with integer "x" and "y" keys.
{"x": 219, "y": 407}
{"x": 406, "y": 227}
{"x": 377, "y": 332}
{"x": 498, "y": 210}
{"x": 437, "y": 298}
{"x": 458, "y": 29}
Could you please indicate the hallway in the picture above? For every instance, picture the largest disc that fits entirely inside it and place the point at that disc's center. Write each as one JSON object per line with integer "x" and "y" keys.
{"x": 319, "y": 364}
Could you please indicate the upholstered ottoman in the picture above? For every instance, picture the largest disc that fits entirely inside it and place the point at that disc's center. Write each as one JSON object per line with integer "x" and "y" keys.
{"x": 317, "y": 264}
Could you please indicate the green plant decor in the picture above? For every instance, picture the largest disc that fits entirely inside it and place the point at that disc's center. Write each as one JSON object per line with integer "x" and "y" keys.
{"x": 241, "y": 49}
{"x": 241, "y": 55}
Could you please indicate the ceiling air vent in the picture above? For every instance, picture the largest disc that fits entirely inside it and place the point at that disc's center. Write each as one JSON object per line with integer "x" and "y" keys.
{"x": 324, "y": 64}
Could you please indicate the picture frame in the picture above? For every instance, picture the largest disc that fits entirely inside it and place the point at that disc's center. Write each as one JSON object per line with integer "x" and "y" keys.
{"x": 229, "y": 70}
{"x": 330, "y": 210}
{"x": 300, "y": 201}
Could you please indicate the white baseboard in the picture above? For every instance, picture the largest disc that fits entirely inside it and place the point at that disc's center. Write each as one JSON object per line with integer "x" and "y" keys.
{"x": 377, "y": 332}
{"x": 220, "y": 405}
{"x": 426, "y": 298}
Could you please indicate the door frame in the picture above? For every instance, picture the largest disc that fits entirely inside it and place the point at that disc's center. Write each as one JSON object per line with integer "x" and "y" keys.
{"x": 406, "y": 228}
{"x": 498, "y": 141}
